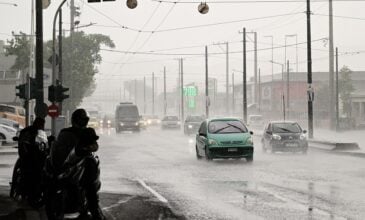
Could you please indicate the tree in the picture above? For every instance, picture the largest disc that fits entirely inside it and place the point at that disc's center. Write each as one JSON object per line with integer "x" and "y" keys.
{"x": 345, "y": 89}
{"x": 80, "y": 57}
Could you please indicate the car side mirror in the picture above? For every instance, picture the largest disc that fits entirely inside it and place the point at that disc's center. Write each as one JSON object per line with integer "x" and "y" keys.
{"x": 269, "y": 132}
{"x": 15, "y": 138}
{"x": 304, "y": 131}
{"x": 202, "y": 134}
{"x": 251, "y": 132}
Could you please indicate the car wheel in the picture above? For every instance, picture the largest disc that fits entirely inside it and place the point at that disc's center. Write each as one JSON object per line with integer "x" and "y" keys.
{"x": 249, "y": 159}
{"x": 197, "y": 153}
{"x": 2, "y": 139}
{"x": 207, "y": 154}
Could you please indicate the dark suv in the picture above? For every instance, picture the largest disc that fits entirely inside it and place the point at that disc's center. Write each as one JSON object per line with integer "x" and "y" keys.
{"x": 192, "y": 124}
{"x": 284, "y": 136}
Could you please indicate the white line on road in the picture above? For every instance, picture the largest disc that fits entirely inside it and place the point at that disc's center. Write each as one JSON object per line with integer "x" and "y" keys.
{"x": 159, "y": 197}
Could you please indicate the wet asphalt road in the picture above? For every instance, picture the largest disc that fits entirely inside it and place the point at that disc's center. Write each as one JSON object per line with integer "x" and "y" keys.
{"x": 275, "y": 186}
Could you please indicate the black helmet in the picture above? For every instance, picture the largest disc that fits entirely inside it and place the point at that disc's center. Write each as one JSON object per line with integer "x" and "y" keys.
{"x": 79, "y": 118}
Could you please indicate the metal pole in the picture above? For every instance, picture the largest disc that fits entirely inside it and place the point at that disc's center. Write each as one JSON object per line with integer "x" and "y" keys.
{"x": 255, "y": 48}
{"x": 227, "y": 79}
{"x": 337, "y": 92}
{"x": 130, "y": 90}
{"x": 259, "y": 90}
{"x": 164, "y": 91}
{"x": 207, "y": 101}
{"x": 285, "y": 53}
{"x": 179, "y": 89}
{"x": 331, "y": 67}
{"x": 39, "y": 55}
{"x": 60, "y": 74}
{"x": 296, "y": 52}
{"x": 153, "y": 93}
{"x": 27, "y": 100}
{"x": 182, "y": 89}
{"x": 309, "y": 79}
{"x": 244, "y": 91}
{"x": 135, "y": 92}
{"x": 233, "y": 101}
{"x": 144, "y": 94}
{"x": 287, "y": 89}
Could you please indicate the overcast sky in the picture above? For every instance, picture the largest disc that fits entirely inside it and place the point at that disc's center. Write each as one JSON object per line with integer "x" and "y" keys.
{"x": 285, "y": 19}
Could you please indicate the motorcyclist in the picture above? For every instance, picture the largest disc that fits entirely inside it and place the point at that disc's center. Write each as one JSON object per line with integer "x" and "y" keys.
{"x": 32, "y": 159}
{"x": 61, "y": 150}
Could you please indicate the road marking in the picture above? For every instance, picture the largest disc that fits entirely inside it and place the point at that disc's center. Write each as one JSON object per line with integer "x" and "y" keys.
{"x": 158, "y": 196}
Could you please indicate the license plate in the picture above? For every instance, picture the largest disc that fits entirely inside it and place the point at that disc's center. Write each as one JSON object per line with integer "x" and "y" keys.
{"x": 232, "y": 149}
{"x": 291, "y": 144}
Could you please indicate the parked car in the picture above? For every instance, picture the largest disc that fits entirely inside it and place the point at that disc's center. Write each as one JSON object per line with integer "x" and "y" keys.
{"x": 170, "y": 122}
{"x": 224, "y": 138}
{"x": 255, "y": 121}
{"x": 284, "y": 136}
{"x": 11, "y": 123}
{"x": 192, "y": 124}
{"x": 7, "y": 133}
{"x": 12, "y": 112}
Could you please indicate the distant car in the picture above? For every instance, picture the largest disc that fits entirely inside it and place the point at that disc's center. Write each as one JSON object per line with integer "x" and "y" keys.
{"x": 255, "y": 121}
{"x": 143, "y": 122}
{"x": 93, "y": 122}
{"x": 170, "y": 122}
{"x": 284, "y": 136}
{"x": 7, "y": 133}
{"x": 224, "y": 138}
{"x": 15, "y": 113}
{"x": 107, "y": 121}
{"x": 153, "y": 120}
{"x": 192, "y": 124}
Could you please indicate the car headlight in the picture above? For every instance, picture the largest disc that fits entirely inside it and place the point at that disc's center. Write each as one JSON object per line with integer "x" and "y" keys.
{"x": 303, "y": 137}
{"x": 212, "y": 142}
{"x": 276, "y": 137}
{"x": 179, "y": 123}
{"x": 101, "y": 121}
{"x": 249, "y": 141}
{"x": 149, "y": 121}
{"x": 122, "y": 124}
{"x": 136, "y": 123}
{"x": 190, "y": 126}
{"x": 109, "y": 122}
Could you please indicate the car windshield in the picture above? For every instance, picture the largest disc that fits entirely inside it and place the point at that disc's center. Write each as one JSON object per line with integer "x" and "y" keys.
{"x": 128, "y": 112}
{"x": 256, "y": 118}
{"x": 170, "y": 118}
{"x": 194, "y": 119}
{"x": 222, "y": 127}
{"x": 286, "y": 128}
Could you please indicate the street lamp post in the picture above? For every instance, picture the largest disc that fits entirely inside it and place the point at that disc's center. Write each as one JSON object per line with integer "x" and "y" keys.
{"x": 282, "y": 84}
{"x": 296, "y": 48}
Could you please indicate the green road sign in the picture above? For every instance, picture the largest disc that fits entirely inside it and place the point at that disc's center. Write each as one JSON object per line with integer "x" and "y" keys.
{"x": 190, "y": 91}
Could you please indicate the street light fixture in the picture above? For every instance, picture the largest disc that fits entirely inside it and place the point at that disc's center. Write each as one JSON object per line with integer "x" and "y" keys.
{"x": 7, "y": 3}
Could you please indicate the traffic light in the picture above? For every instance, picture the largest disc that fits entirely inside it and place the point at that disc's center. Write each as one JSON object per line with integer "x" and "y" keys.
{"x": 56, "y": 93}
{"x": 60, "y": 90}
{"x": 51, "y": 93}
{"x": 33, "y": 88}
{"x": 22, "y": 93}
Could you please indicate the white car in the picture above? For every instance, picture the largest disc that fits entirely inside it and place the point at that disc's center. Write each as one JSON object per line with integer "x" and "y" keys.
{"x": 7, "y": 133}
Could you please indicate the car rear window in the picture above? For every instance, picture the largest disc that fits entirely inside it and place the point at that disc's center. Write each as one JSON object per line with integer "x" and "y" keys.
{"x": 222, "y": 127}
{"x": 4, "y": 108}
{"x": 170, "y": 118}
{"x": 286, "y": 128}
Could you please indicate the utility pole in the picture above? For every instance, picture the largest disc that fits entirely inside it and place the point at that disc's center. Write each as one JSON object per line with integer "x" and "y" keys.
{"x": 287, "y": 89}
{"x": 164, "y": 91}
{"x": 337, "y": 92}
{"x": 153, "y": 93}
{"x": 31, "y": 62}
{"x": 255, "y": 48}
{"x": 331, "y": 67}
{"x": 135, "y": 92}
{"x": 124, "y": 88}
{"x": 309, "y": 66}
{"x": 244, "y": 81}
{"x": 144, "y": 95}
{"x": 207, "y": 100}
{"x": 39, "y": 59}
{"x": 227, "y": 78}
{"x": 130, "y": 90}
{"x": 233, "y": 101}
{"x": 179, "y": 89}
{"x": 259, "y": 90}
{"x": 182, "y": 89}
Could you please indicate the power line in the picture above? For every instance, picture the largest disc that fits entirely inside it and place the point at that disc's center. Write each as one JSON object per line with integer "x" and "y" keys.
{"x": 339, "y": 16}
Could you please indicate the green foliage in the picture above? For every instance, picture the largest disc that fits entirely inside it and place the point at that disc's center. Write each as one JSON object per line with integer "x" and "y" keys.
{"x": 80, "y": 56}
{"x": 345, "y": 89}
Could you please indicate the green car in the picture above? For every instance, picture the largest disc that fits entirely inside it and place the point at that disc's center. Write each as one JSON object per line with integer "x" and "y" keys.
{"x": 224, "y": 138}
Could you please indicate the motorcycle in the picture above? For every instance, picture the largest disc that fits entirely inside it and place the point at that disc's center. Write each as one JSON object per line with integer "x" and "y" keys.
{"x": 17, "y": 191}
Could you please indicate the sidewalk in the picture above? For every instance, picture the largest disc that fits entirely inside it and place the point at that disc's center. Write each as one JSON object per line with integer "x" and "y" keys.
{"x": 115, "y": 207}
